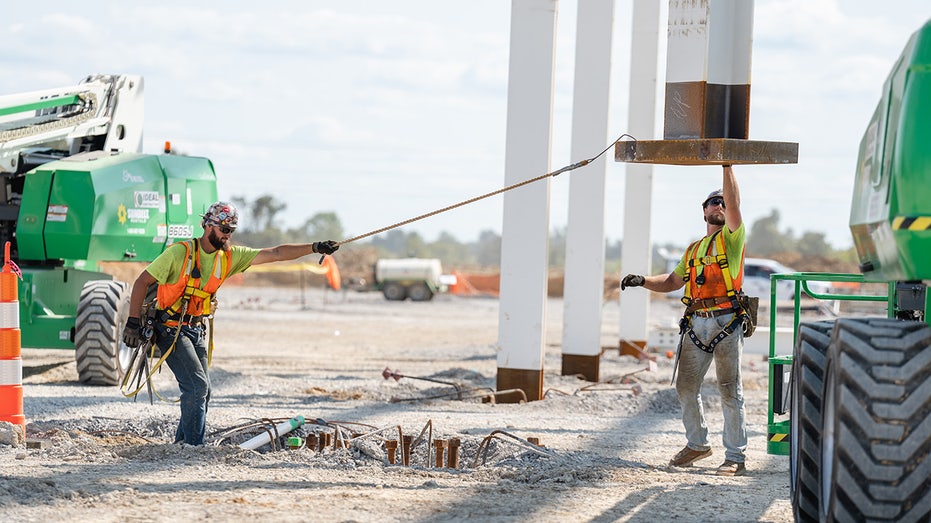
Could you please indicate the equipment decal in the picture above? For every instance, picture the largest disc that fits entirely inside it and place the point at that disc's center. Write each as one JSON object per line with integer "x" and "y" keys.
{"x": 57, "y": 213}
{"x": 147, "y": 199}
{"x": 180, "y": 231}
{"x": 132, "y": 178}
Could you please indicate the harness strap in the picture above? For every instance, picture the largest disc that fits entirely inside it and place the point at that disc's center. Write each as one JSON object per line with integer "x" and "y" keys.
{"x": 685, "y": 326}
{"x": 726, "y": 272}
{"x": 690, "y": 273}
{"x": 740, "y": 315}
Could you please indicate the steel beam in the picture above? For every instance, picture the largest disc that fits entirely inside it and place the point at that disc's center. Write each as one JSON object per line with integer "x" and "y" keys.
{"x": 706, "y": 151}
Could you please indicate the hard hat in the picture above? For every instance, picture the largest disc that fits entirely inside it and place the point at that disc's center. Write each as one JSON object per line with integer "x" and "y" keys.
{"x": 221, "y": 213}
{"x": 718, "y": 192}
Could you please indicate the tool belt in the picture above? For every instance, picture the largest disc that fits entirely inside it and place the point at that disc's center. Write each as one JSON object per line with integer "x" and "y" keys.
{"x": 711, "y": 313}
{"x": 706, "y": 303}
{"x": 173, "y": 320}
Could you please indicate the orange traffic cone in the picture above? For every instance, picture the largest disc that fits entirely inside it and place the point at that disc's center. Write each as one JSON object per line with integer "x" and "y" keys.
{"x": 11, "y": 363}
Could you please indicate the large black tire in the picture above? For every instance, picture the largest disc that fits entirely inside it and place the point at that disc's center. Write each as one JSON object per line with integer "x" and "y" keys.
{"x": 394, "y": 292}
{"x": 805, "y": 435}
{"x": 99, "y": 349}
{"x": 876, "y": 432}
{"x": 419, "y": 292}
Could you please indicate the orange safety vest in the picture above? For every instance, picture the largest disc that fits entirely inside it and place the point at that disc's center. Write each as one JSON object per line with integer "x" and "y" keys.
{"x": 715, "y": 280}
{"x": 171, "y": 297}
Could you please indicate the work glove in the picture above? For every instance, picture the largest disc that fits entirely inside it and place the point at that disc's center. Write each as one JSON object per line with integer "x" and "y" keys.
{"x": 132, "y": 333}
{"x": 327, "y": 247}
{"x": 632, "y": 280}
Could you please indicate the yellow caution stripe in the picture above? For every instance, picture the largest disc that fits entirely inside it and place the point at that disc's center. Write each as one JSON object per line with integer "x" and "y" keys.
{"x": 776, "y": 437}
{"x": 911, "y": 223}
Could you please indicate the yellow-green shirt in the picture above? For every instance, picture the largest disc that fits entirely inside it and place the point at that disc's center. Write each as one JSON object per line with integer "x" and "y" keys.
{"x": 166, "y": 268}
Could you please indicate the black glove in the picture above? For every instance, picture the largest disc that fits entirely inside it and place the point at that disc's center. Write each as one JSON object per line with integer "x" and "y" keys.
{"x": 132, "y": 333}
{"x": 327, "y": 247}
{"x": 632, "y": 280}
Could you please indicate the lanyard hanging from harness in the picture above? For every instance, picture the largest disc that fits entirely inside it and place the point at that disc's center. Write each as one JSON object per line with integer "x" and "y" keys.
{"x": 695, "y": 261}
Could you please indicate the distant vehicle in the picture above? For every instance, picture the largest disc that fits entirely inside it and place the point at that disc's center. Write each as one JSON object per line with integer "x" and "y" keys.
{"x": 757, "y": 272}
{"x": 416, "y": 278}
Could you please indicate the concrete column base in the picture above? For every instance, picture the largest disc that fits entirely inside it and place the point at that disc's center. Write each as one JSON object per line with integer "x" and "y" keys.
{"x": 530, "y": 381}
{"x": 586, "y": 366}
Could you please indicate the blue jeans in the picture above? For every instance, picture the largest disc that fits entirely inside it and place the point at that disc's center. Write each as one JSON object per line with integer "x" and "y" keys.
{"x": 693, "y": 365}
{"x": 188, "y": 362}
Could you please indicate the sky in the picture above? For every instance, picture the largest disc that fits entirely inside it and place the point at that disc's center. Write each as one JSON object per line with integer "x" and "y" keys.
{"x": 380, "y": 111}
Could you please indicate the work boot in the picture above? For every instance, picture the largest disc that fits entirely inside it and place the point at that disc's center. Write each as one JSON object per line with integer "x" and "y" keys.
{"x": 731, "y": 468}
{"x": 687, "y": 456}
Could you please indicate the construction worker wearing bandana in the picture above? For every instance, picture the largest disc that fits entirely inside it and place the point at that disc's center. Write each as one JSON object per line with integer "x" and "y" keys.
{"x": 712, "y": 327}
{"x": 188, "y": 275}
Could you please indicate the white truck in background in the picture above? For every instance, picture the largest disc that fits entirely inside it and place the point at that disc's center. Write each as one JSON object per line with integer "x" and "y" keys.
{"x": 416, "y": 278}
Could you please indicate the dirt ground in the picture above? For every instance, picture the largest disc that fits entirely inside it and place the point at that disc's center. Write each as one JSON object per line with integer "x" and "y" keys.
{"x": 283, "y": 353}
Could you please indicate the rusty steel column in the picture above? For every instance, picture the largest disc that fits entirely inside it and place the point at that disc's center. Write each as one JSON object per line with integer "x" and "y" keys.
{"x": 525, "y": 227}
{"x": 707, "y": 116}
{"x": 708, "y": 69}
{"x": 585, "y": 239}
{"x": 636, "y": 256}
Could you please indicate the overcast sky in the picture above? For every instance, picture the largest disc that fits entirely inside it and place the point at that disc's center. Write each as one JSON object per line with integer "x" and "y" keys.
{"x": 383, "y": 110}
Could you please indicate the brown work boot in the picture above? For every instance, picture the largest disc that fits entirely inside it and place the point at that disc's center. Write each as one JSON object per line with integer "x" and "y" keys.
{"x": 687, "y": 456}
{"x": 731, "y": 468}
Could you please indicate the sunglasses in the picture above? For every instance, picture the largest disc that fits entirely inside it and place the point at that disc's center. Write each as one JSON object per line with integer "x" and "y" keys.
{"x": 717, "y": 200}
{"x": 225, "y": 229}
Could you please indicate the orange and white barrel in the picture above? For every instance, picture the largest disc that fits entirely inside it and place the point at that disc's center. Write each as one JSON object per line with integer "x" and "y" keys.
{"x": 11, "y": 362}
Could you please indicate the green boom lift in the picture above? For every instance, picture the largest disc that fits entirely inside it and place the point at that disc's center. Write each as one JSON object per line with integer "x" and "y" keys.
{"x": 851, "y": 404}
{"x": 77, "y": 192}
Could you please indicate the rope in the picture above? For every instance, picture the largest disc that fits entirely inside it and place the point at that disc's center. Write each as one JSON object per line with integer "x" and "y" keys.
{"x": 487, "y": 195}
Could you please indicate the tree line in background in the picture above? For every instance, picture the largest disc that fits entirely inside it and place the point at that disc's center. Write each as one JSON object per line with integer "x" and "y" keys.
{"x": 260, "y": 228}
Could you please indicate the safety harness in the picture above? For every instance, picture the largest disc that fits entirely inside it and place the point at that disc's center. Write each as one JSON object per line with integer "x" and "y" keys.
{"x": 182, "y": 303}
{"x": 710, "y": 306}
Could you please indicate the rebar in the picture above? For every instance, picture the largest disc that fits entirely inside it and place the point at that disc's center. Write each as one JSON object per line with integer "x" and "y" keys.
{"x": 482, "y": 451}
{"x": 440, "y": 446}
{"x": 452, "y": 457}
{"x": 388, "y": 373}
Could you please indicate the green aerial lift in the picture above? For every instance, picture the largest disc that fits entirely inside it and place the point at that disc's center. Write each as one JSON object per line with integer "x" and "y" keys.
{"x": 77, "y": 192}
{"x": 851, "y": 404}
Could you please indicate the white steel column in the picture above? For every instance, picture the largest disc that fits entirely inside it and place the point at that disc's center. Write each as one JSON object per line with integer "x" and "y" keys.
{"x": 585, "y": 248}
{"x": 636, "y": 253}
{"x": 525, "y": 231}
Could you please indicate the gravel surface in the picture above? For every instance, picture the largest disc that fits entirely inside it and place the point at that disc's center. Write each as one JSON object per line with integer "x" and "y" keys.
{"x": 283, "y": 353}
